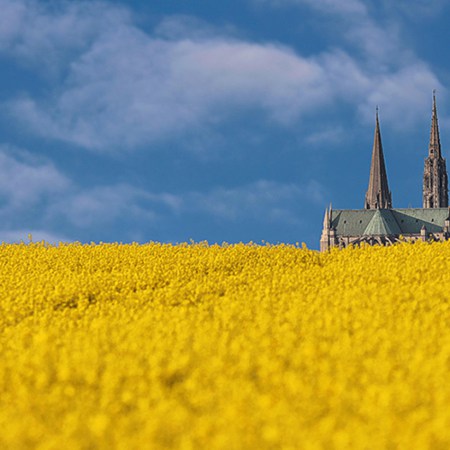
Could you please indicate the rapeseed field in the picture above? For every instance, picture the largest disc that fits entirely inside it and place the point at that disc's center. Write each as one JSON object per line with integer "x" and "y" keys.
{"x": 158, "y": 346}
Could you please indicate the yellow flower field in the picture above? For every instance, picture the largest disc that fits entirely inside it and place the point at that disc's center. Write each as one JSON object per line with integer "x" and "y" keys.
{"x": 224, "y": 347}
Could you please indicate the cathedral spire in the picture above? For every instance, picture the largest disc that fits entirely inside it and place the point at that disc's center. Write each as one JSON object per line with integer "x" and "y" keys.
{"x": 434, "y": 148}
{"x": 435, "y": 179}
{"x": 378, "y": 195}
{"x": 326, "y": 220}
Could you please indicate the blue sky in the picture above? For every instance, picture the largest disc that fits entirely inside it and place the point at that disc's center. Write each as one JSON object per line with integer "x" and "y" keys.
{"x": 170, "y": 120}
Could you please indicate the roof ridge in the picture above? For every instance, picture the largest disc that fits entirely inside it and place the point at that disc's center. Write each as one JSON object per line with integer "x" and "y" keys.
{"x": 379, "y": 224}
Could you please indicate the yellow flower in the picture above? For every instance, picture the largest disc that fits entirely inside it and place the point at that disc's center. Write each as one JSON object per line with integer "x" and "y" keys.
{"x": 224, "y": 346}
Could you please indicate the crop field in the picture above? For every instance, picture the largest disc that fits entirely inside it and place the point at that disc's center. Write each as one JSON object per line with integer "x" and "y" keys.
{"x": 224, "y": 347}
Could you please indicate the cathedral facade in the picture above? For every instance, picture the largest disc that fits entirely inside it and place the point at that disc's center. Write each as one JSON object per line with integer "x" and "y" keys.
{"x": 380, "y": 223}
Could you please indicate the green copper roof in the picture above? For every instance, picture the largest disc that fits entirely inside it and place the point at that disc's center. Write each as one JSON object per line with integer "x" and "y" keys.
{"x": 382, "y": 223}
{"x": 396, "y": 221}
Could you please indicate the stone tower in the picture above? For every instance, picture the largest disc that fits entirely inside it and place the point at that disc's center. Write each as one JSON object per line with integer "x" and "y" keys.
{"x": 378, "y": 195}
{"x": 435, "y": 182}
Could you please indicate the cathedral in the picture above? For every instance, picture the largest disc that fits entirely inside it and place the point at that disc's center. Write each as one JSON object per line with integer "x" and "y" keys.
{"x": 380, "y": 223}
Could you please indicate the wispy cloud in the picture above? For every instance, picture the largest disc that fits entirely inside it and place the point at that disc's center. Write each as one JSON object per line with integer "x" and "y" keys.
{"x": 267, "y": 200}
{"x": 28, "y": 185}
{"x": 31, "y": 235}
{"x": 372, "y": 65}
{"x": 48, "y": 36}
{"x": 329, "y": 6}
{"x": 270, "y": 201}
{"x": 377, "y": 39}
{"x": 102, "y": 206}
{"x": 326, "y": 135}
{"x": 25, "y": 180}
{"x": 129, "y": 90}
{"x": 417, "y": 10}
{"x": 39, "y": 199}
{"x": 123, "y": 88}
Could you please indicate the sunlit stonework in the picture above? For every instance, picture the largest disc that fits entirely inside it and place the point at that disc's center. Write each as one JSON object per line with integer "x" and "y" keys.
{"x": 379, "y": 222}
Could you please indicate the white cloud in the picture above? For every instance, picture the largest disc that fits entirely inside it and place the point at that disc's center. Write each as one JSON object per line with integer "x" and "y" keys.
{"x": 406, "y": 94}
{"x": 49, "y": 35}
{"x": 130, "y": 89}
{"x": 268, "y": 201}
{"x": 416, "y": 10}
{"x": 23, "y": 235}
{"x": 24, "y": 180}
{"x": 28, "y": 185}
{"x": 326, "y": 135}
{"x": 330, "y": 6}
{"x": 102, "y": 206}
{"x": 387, "y": 73}
{"x": 379, "y": 42}
{"x": 124, "y": 88}
{"x": 176, "y": 27}
{"x": 38, "y": 199}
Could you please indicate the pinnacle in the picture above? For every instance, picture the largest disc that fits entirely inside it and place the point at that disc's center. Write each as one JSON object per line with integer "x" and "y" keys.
{"x": 434, "y": 148}
{"x": 378, "y": 195}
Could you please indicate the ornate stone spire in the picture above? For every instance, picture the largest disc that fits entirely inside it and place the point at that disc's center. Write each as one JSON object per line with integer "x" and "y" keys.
{"x": 326, "y": 220}
{"x": 435, "y": 180}
{"x": 378, "y": 195}
{"x": 434, "y": 148}
{"x": 328, "y": 238}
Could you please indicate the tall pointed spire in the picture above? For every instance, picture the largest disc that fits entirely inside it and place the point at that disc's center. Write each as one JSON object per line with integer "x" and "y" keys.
{"x": 434, "y": 148}
{"x": 378, "y": 195}
{"x": 327, "y": 238}
{"x": 326, "y": 220}
{"x": 435, "y": 179}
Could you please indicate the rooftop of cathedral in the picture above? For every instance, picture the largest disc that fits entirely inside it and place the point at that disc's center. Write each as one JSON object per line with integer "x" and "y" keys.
{"x": 379, "y": 222}
{"x": 364, "y": 222}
